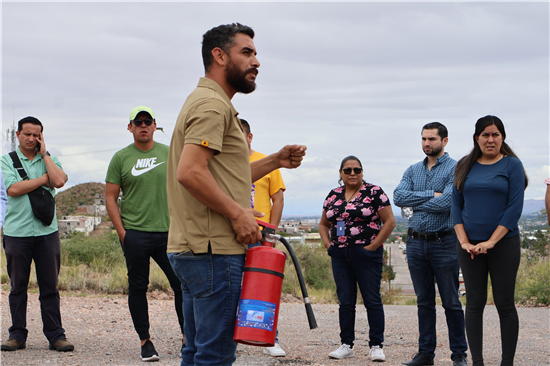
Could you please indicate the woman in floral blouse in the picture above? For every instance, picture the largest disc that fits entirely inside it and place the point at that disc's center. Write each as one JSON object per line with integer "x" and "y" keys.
{"x": 357, "y": 219}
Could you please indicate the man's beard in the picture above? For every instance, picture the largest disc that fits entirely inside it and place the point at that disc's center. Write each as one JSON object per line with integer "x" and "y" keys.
{"x": 435, "y": 151}
{"x": 237, "y": 79}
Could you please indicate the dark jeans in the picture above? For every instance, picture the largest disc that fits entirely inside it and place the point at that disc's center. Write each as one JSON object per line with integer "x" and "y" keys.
{"x": 429, "y": 259}
{"x": 211, "y": 292}
{"x": 138, "y": 247}
{"x": 352, "y": 266}
{"x": 45, "y": 251}
{"x": 501, "y": 263}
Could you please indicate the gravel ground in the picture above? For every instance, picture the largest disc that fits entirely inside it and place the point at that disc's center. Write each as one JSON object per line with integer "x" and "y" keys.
{"x": 102, "y": 331}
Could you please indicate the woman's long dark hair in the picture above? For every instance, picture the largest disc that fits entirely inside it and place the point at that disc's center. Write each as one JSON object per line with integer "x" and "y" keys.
{"x": 465, "y": 164}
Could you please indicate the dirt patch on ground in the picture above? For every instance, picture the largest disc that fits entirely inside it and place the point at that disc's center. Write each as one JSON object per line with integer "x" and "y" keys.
{"x": 102, "y": 331}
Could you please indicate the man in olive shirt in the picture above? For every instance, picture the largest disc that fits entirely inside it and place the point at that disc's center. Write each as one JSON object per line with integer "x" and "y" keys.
{"x": 27, "y": 239}
{"x": 209, "y": 178}
{"x": 142, "y": 222}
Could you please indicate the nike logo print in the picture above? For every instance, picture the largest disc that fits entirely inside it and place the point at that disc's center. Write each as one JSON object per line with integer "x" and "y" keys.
{"x": 145, "y": 165}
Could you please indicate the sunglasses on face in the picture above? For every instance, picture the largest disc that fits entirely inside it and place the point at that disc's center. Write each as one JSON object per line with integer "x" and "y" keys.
{"x": 148, "y": 122}
{"x": 347, "y": 171}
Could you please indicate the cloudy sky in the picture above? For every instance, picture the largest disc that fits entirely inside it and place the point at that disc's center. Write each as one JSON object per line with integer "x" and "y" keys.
{"x": 357, "y": 78}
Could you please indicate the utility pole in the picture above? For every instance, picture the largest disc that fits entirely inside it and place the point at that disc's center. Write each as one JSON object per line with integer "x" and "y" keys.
{"x": 389, "y": 284}
{"x": 10, "y": 134}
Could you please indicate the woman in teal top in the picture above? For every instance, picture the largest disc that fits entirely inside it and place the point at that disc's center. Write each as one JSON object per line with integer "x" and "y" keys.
{"x": 487, "y": 204}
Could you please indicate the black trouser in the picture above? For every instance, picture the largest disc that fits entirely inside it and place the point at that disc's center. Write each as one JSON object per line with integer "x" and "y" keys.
{"x": 45, "y": 251}
{"x": 502, "y": 263}
{"x": 138, "y": 247}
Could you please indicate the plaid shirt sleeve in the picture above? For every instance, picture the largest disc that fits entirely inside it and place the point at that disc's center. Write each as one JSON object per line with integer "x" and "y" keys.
{"x": 416, "y": 190}
{"x": 441, "y": 203}
{"x": 406, "y": 194}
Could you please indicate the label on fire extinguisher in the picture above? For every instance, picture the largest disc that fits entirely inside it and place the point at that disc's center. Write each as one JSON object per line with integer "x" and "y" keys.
{"x": 256, "y": 314}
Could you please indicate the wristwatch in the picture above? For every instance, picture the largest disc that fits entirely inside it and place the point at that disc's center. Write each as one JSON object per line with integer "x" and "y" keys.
{"x": 46, "y": 153}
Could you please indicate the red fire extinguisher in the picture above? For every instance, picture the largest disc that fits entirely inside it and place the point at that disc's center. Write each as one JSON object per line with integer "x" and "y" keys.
{"x": 261, "y": 291}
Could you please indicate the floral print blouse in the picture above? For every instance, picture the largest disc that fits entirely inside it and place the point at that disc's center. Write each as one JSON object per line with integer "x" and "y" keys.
{"x": 360, "y": 214}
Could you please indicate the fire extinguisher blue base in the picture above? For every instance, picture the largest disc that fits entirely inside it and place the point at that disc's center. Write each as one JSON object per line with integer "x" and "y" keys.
{"x": 256, "y": 314}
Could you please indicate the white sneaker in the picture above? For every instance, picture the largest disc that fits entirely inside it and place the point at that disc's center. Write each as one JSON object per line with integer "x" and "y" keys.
{"x": 275, "y": 351}
{"x": 376, "y": 354}
{"x": 343, "y": 352}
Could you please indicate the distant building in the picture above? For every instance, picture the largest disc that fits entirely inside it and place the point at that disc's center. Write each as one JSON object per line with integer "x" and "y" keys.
{"x": 295, "y": 240}
{"x": 290, "y": 229}
{"x": 100, "y": 210}
{"x": 398, "y": 240}
{"x": 84, "y": 224}
{"x": 313, "y": 238}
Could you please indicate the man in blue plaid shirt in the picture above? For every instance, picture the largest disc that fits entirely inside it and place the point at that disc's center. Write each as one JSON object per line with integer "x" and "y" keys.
{"x": 431, "y": 245}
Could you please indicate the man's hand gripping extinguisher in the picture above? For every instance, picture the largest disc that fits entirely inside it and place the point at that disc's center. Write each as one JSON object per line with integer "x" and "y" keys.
{"x": 258, "y": 311}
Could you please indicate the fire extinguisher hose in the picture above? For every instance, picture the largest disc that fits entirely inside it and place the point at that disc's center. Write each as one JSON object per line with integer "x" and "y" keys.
{"x": 309, "y": 310}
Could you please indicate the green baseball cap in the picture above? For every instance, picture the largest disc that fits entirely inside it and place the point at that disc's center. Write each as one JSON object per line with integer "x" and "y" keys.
{"x": 140, "y": 109}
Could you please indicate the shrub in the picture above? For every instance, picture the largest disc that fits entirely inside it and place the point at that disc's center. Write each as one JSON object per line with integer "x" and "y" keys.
{"x": 100, "y": 253}
{"x": 317, "y": 271}
{"x": 532, "y": 282}
{"x": 94, "y": 264}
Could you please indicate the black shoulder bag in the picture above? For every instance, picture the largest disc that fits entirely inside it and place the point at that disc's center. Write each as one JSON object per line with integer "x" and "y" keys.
{"x": 42, "y": 201}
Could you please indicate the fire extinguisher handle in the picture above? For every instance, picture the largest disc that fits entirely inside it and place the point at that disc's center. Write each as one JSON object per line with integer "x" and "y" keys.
{"x": 309, "y": 309}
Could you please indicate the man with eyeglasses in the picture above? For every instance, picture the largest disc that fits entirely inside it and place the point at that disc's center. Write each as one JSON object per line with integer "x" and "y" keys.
{"x": 142, "y": 221}
{"x": 426, "y": 189}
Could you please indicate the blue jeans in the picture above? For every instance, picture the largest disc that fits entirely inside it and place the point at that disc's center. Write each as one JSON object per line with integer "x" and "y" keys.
{"x": 357, "y": 265}
{"x": 211, "y": 286}
{"x": 436, "y": 258}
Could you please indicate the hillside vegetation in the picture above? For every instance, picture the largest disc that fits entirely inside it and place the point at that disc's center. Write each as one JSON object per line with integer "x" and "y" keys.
{"x": 67, "y": 202}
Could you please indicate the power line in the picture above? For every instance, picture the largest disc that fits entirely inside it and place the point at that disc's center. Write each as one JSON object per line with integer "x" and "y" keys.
{"x": 88, "y": 152}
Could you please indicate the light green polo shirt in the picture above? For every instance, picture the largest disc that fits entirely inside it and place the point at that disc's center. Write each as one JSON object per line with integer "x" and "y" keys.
{"x": 20, "y": 220}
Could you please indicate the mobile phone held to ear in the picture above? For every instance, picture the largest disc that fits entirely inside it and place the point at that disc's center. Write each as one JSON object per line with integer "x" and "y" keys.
{"x": 38, "y": 147}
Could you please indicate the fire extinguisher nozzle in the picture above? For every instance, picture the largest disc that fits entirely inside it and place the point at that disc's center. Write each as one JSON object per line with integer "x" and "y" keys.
{"x": 310, "y": 316}
{"x": 309, "y": 310}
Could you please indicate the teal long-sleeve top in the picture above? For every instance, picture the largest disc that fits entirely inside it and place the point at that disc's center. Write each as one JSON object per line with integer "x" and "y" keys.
{"x": 492, "y": 195}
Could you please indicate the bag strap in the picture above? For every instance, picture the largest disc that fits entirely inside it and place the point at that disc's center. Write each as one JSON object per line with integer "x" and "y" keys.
{"x": 17, "y": 165}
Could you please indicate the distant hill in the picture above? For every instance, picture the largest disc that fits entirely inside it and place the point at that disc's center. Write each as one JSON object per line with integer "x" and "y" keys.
{"x": 67, "y": 202}
{"x": 531, "y": 207}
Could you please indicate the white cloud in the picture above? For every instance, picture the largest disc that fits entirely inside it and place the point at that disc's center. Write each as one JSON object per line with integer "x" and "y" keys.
{"x": 342, "y": 78}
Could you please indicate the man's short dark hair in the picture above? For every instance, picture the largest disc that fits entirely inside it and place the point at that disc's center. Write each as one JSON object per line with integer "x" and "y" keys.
{"x": 441, "y": 129}
{"x": 222, "y": 36}
{"x": 29, "y": 119}
{"x": 246, "y": 126}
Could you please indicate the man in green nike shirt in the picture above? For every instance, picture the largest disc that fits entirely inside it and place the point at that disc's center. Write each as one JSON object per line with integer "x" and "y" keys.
{"x": 142, "y": 221}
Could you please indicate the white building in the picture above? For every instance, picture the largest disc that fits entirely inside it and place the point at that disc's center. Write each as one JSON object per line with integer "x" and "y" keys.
{"x": 85, "y": 224}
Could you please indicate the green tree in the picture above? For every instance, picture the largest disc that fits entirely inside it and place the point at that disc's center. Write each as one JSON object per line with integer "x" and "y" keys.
{"x": 538, "y": 247}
